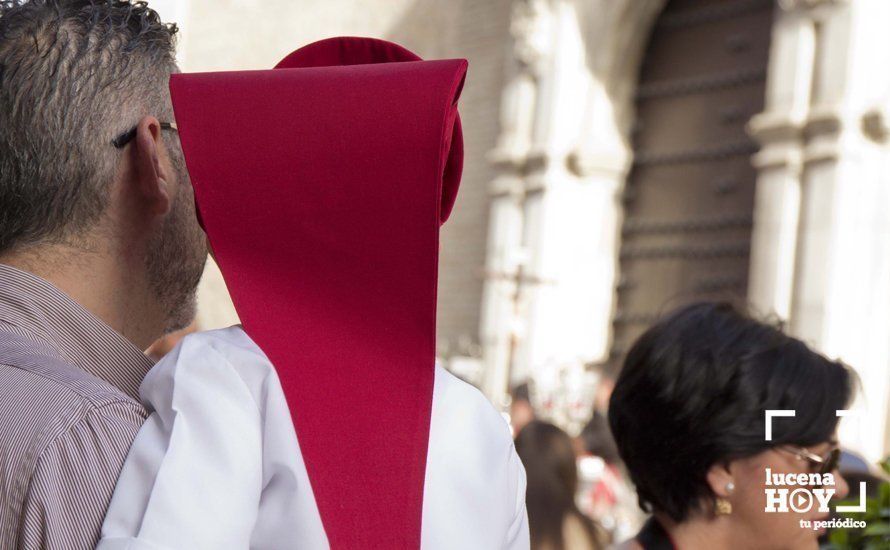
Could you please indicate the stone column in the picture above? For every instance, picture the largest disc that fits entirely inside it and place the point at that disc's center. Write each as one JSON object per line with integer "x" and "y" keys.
{"x": 779, "y": 131}
{"x": 548, "y": 303}
{"x": 822, "y": 236}
{"x": 502, "y": 317}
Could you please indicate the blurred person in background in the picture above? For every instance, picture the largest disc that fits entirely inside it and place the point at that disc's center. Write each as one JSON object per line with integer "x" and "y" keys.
{"x": 595, "y": 437}
{"x": 605, "y": 493}
{"x": 555, "y": 522}
{"x": 688, "y": 415}
{"x": 521, "y": 409}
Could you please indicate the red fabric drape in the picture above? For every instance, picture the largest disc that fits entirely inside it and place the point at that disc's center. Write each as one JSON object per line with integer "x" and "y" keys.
{"x": 322, "y": 185}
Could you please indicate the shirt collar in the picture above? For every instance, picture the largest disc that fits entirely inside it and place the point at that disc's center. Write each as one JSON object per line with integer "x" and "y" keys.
{"x": 35, "y": 306}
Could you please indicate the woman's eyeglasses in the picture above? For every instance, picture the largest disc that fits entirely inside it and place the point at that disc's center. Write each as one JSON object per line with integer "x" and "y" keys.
{"x": 818, "y": 464}
{"x": 122, "y": 140}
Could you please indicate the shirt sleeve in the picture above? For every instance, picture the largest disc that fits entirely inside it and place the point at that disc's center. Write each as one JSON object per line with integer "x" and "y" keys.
{"x": 517, "y": 537}
{"x": 74, "y": 478}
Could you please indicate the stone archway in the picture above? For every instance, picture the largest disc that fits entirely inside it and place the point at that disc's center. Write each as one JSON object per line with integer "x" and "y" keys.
{"x": 562, "y": 162}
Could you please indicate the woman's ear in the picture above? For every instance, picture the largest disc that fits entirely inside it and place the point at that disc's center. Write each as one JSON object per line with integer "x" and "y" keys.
{"x": 721, "y": 480}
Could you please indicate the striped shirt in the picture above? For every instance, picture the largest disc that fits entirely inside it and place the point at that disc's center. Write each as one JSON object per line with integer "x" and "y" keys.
{"x": 69, "y": 411}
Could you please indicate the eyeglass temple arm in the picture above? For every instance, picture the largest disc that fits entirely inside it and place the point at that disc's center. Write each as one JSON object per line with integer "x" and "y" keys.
{"x": 120, "y": 141}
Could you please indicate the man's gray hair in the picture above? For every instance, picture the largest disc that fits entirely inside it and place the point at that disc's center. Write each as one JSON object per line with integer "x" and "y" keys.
{"x": 74, "y": 74}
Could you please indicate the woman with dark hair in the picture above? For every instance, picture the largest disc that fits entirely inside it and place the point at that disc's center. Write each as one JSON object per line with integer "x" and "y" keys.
{"x": 555, "y": 522}
{"x": 689, "y": 415}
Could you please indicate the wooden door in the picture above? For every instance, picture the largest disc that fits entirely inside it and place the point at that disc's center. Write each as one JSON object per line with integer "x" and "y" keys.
{"x": 689, "y": 197}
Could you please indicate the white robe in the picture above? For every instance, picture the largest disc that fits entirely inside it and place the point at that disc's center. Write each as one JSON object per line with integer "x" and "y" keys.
{"x": 218, "y": 464}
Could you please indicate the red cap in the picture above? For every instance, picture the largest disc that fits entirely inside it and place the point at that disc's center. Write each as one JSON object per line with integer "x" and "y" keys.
{"x": 322, "y": 185}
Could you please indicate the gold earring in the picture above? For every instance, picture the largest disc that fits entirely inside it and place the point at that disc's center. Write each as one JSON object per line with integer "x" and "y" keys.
{"x": 722, "y": 507}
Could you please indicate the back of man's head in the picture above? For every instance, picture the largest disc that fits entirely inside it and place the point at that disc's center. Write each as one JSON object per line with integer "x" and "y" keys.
{"x": 74, "y": 74}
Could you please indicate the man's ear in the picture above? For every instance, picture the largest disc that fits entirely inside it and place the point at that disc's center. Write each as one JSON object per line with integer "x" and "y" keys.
{"x": 152, "y": 176}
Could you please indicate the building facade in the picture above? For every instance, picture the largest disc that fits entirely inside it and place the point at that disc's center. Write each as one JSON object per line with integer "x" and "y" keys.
{"x": 627, "y": 156}
{"x": 688, "y": 149}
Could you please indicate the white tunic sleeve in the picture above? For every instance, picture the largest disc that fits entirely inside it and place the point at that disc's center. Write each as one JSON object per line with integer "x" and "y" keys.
{"x": 474, "y": 491}
{"x": 217, "y": 464}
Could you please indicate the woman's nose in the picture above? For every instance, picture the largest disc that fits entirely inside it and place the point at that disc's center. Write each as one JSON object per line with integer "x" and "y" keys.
{"x": 841, "y": 489}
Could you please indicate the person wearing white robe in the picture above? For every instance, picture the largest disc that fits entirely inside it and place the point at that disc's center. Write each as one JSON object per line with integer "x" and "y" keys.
{"x": 218, "y": 465}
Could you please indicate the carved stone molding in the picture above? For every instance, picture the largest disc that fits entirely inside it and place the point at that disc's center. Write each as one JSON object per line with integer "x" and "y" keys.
{"x": 788, "y": 143}
{"x": 507, "y": 161}
{"x": 778, "y": 156}
{"x": 875, "y": 125}
{"x": 587, "y": 163}
{"x": 530, "y": 28}
{"x": 536, "y": 184}
{"x": 507, "y": 186}
{"x": 823, "y": 121}
{"x": 767, "y": 128}
{"x": 823, "y": 150}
